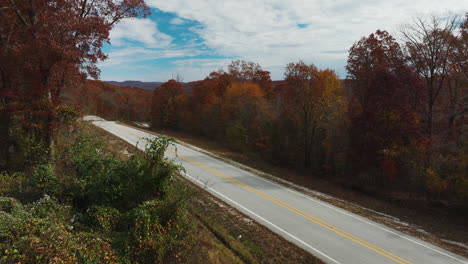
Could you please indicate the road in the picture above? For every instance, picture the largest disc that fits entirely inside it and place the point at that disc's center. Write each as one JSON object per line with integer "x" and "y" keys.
{"x": 328, "y": 232}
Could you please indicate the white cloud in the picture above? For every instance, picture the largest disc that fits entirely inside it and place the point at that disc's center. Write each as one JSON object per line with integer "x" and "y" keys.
{"x": 132, "y": 54}
{"x": 142, "y": 30}
{"x": 267, "y": 31}
{"x": 177, "y": 21}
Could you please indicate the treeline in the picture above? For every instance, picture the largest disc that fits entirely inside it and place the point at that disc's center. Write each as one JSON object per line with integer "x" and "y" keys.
{"x": 110, "y": 101}
{"x": 397, "y": 124}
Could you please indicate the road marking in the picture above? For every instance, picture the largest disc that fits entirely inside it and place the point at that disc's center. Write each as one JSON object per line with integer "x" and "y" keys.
{"x": 295, "y": 210}
{"x": 301, "y": 213}
{"x": 294, "y": 191}
{"x": 261, "y": 218}
{"x": 357, "y": 218}
{"x": 214, "y": 158}
{"x": 298, "y": 193}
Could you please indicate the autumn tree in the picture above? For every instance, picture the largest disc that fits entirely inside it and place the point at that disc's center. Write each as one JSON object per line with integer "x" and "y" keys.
{"x": 428, "y": 45}
{"x": 457, "y": 83}
{"x": 202, "y": 110}
{"x": 299, "y": 82}
{"x": 332, "y": 121}
{"x": 166, "y": 104}
{"x": 47, "y": 45}
{"x": 245, "y": 109}
{"x": 243, "y": 71}
{"x": 382, "y": 117}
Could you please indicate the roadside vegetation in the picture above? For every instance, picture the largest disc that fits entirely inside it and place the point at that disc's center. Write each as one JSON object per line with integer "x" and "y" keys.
{"x": 102, "y": 201}
{"x": 90, "y": 206}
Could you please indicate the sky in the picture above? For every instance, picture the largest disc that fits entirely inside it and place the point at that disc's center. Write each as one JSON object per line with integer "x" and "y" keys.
{"x": 192, "y": 38}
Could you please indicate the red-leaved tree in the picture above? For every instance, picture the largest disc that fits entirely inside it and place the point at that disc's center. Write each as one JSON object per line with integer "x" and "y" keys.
{"x": 383, "y": 120}
{"x": 46, "y": 45}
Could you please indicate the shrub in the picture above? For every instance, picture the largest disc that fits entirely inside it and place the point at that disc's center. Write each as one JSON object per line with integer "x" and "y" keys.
{"x": 12, "y": 184}
{"x": 121, "y": 184}
{"x": 158, "y": 232}
{"x": 104, "y": 218}
{"x": 41, "y": 233}
{"x": 44, "y": 180}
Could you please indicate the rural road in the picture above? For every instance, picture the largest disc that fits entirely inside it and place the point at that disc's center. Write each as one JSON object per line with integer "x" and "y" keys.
{"x": 330, "y": 233}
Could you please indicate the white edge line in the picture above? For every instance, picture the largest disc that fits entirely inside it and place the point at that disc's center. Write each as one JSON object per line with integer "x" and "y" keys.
{"x": 332, "y": 207}
{"x": 261, "y": 218}
{"x": 309, "y": 198}
{"x": 256, "y": 215}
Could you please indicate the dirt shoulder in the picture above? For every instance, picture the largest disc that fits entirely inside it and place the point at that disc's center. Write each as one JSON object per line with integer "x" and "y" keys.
{"x": 222, "y": 234}
{"x": 430, "y": 222}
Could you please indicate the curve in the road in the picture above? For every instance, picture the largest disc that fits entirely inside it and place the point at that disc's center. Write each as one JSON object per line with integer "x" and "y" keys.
{"x": 137, "y": 134}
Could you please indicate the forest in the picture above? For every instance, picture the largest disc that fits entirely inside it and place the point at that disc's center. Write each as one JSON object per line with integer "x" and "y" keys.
{"x": 396, "y": 125}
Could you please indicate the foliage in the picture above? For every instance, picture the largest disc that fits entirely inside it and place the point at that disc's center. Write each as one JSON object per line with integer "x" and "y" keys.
{"x": 165, "y": 105}
{"x": 109, "y": 208}
{"x": 103, "y": 180}
{"x": 12, "y": 183}
{"x": 41, "y": 233}
{"x": 109, "y": 101}
{"x": 381, "y": 109}
{"x": 158, "y": 232}
{"x": 44, "y": 181}
{"x": 46, "y": 46}
{"x": 67, "y": 114}
{"x": 236, "y": 136}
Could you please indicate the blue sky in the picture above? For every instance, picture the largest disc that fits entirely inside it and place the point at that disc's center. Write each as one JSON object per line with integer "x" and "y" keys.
{"x": 194, "y": 37}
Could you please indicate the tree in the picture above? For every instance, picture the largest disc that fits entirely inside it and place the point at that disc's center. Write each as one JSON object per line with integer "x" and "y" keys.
{"x": 428, "y": 45}
{"x": 166, "y": 104}
{"x": 243, "y": 71}
{"x": 381, "y": 112}
{"x": 243, "y": 107}
{"x": 379, "y": 50}
{"x": 457, "y": 85}
{"x": 50, "y": 44}
{"x": 331, "y": 114}
{"x": 299, "y": 81}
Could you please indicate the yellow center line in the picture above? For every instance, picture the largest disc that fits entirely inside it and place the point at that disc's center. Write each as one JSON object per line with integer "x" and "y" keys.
{"x": 295, "y": 210}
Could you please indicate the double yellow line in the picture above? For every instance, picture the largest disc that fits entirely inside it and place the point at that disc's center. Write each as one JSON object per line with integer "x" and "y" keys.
{"x": 313, "y": 219}
{"x": 322, "y": 223}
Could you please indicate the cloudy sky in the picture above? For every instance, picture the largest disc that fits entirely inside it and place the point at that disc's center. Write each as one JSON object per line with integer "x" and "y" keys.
{"x": 194, "y": 37}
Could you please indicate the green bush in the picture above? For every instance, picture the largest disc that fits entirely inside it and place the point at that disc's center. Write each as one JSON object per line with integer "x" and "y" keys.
{"x": 41, "y": 233}
{"x": 104, "y": 181}
{"x": 111, "y": 210}
{"x": 12, "y": 184}
{"x": 158, "y": 232}
{"x": 44, "y": 180}
{"x": 105, "y": 219}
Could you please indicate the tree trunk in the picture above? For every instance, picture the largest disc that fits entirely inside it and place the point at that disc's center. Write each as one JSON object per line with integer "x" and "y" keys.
{"x": 4, "y": 139}
{"x": 5, "y": 121}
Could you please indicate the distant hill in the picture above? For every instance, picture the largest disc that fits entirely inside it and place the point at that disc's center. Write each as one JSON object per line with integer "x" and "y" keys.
{"x": 138, "y": 84}
{"x": 142, "y": 85}
{"x": 278, "y": 84}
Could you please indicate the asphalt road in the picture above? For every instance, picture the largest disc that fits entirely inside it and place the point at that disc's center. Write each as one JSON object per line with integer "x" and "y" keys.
{"x": 328, "y": 232}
